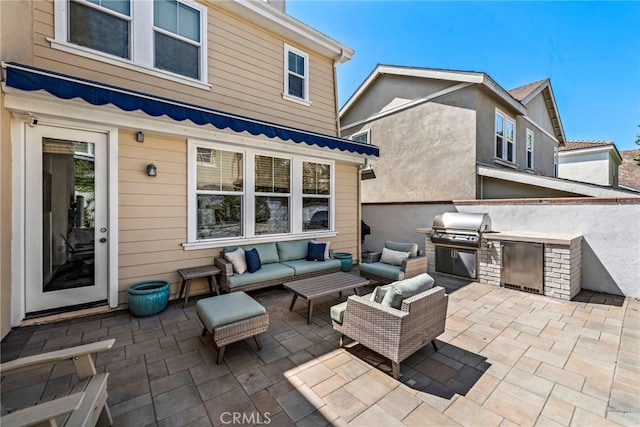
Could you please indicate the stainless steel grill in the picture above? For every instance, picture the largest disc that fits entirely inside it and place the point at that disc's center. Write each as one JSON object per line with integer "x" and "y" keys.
{"x": 460, "y": 229}
{"x": 457, "y": 237}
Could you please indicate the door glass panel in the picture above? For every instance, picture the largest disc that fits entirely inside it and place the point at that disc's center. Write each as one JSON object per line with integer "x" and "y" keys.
{"x": 68, "y": 214}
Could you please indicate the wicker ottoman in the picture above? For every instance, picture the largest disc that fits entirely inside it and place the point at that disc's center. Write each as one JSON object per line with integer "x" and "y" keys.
{"x": 232, "y": 317}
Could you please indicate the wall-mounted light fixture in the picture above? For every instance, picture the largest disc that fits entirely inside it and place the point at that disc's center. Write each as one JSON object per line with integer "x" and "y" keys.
{"x": 140, "y": 137}
{"x": 152, "y": 170}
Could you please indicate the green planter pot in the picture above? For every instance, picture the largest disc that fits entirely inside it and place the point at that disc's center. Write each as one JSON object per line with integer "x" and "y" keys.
{"x": 148, "y": 298}
{"x": 346, "y": 259}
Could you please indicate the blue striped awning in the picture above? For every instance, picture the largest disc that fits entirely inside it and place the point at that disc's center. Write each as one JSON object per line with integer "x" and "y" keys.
{"x": 64, "y": 86}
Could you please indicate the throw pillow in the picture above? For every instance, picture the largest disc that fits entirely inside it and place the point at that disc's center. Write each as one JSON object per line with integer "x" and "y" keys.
{"x": 393, "y": 257}
{"x": 407, "y": 288}
{"x": 379, "y": 292}
{"x": 326, "y": 249}
{"x": 253, "y": 260}
{"x": 315, "y": 251}
{"x": 237, "y": 259}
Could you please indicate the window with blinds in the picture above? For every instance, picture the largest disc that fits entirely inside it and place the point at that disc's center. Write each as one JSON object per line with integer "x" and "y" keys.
{"x": 316, "y": 196}
{"x": 272, "y": 195}
{"x": 219, "y": 193}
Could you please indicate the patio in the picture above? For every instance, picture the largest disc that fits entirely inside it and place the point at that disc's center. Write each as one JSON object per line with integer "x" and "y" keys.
{"x": 506, "y": 358}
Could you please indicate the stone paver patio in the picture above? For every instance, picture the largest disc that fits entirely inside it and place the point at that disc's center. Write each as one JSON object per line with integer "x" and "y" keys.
{"x": 506, "y": 358}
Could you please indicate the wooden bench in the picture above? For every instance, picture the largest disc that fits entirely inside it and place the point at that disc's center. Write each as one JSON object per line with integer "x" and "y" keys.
{"x": 86, "y": 408}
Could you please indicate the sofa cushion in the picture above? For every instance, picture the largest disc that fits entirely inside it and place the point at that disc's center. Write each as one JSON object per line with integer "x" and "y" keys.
{"x": 268, "y": 272}
{"x": 267, "y": 251}
{"x": 315, "y": 251}
{"x": 302, "y": 266}
{"x": 337, "y": 311}
{"x": 253, "y": 260}
{"x": 228, "y": 308}
{"x": 406, "y": 289}
{"x": 403, "y": 247}
{"x": 388, "y": 271}
{"x": 393, "y": 257}
{"x": 296, "y": 249}
{"x": 237, "y": 260}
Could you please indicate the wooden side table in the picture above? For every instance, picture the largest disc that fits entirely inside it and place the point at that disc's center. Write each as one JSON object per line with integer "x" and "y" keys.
{"x": 209, "y": 271}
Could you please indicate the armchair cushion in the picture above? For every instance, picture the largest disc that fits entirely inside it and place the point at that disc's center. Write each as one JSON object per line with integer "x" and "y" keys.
{"x": 337, "y": 311}
{"x": 412, "y": 248}
{"x": 393, "y": 257}
{"x": 406, "y": 289}
{"x": 388, "y": 271}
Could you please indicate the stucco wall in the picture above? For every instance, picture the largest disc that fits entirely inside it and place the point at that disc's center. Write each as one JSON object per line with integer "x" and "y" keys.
{"x": 492, "y": 188}
{"x": 610, "y": 262}
{"x": 586, "y": 167}
{"x": 538, "y": 112}
{"x": 390, "y": 90}
{"x": 543, "y": 145}
{"x": 426, "y": 152}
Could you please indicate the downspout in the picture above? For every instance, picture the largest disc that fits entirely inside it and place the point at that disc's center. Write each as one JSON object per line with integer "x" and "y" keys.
{"x": 338, "y": 59}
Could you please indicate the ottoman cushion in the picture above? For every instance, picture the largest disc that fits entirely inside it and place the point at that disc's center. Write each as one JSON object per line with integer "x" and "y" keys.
{"x": 228, "y": 308}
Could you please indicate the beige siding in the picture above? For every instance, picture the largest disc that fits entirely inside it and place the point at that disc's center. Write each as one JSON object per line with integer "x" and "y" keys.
{"x": 347, "y": 204}
{"x": 245, "y": 71}
{"x": 153, "y": 213}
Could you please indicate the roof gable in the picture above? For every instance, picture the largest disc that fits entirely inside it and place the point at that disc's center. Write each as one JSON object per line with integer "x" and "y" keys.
{"x": 542, "y": 88}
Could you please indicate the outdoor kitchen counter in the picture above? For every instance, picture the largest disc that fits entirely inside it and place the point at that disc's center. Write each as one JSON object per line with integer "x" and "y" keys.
{"x": 522, "y": 236}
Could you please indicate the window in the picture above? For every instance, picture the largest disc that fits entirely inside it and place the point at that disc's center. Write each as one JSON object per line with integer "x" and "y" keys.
{"x": 237, "y": 196}
{"x": 296, "y": 74}
{"x": 160, "y": 37}
{"x": 555, "y": 161}
{"x": 505, "y": 138}
{"x": 272, "y": 194}
{"x": 529, "y": 149}
{"x": 101, "y": 25}
{"x": 176, "y": 37}
{"x": 219, "y": 193}
{"x": 316, "y": 195}
{"x": 361, "y": 137}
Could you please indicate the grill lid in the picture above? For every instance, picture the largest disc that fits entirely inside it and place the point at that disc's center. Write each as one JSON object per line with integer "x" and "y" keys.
{"x": 478, "y": 222}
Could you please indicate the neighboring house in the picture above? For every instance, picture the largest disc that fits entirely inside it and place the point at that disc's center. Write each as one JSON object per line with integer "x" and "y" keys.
{"x": 595, "y": 162}
{"x": 141, "y": 137}
{"x": 629, "y": 170}
{"x": 457, "y": 135}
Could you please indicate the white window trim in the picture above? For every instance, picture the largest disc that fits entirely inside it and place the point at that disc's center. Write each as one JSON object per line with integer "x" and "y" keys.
{"x": 249, "y": 236}
{"x": 503, "y": 158}
{"x": 141, "y": 43}
{"x": 285, "y": 95}
{"x": 366, "y": 132}
{"x": 526, "y": 150}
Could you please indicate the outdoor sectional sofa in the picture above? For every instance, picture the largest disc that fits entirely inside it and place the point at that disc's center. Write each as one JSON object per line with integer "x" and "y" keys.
{"x": 281, "y": 262}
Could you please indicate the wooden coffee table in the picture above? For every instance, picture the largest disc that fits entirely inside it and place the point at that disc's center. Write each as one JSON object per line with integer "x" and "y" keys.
{"x": 318, "y": 286}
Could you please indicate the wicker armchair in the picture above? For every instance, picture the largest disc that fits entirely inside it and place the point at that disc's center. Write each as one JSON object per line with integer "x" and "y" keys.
{"x": 395, "y": 334}
{"x": 380, "y": 272}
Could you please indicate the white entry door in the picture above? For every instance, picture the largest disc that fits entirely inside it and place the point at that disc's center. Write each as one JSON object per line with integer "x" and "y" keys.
{"x": 65, "y": 218}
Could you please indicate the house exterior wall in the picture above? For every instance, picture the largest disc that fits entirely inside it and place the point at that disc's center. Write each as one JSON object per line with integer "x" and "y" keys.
{"x": 245, "y": 69}
{"x": 418, "y": 147}
{"x": 152, "y": 214}
{"x": 492, "y": 188}
{"x": 586, "y": 167}
{"x": 538, "y": 112}
{"x": 543, "y": 144}
{"x": 389, "y": 91}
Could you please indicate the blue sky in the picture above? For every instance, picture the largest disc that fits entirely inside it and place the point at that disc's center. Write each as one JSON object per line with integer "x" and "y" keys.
{"x": 589, "y": 50}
